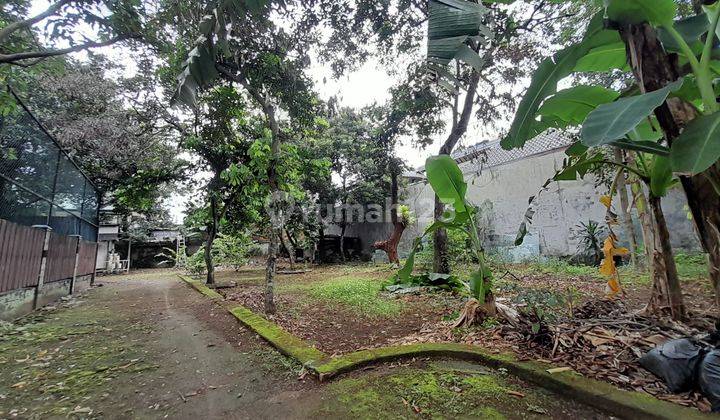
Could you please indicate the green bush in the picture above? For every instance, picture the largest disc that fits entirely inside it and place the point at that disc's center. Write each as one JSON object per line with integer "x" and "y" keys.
{"x": 227, "y": 251}
{"x": 460, "y": 251}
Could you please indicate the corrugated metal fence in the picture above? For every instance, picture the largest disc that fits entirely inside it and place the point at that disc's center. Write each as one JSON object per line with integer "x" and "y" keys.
{"x": 20, "y": 255}
{"x": 21, "y": 250}
{"x": 86, "y": 259}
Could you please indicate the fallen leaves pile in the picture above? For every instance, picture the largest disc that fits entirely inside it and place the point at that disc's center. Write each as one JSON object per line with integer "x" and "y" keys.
{"x": 602, "y": 341}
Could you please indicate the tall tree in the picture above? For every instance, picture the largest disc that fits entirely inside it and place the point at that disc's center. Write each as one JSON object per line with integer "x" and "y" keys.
{"x": 242, "y": 43}
{"x": 113, "y": 128}
{"x": 225, "y": 133}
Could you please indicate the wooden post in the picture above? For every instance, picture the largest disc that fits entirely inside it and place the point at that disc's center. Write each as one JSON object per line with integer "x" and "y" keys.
{"x": 92, "y": 276}
{"x": 129, "y": 242}
{"x": 43, "y": 263}
{"x": 77, "y": 260}
{"x": 177, "y": 251}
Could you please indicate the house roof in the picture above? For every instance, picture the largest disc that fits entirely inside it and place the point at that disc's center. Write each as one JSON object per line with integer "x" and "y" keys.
{"x": 490, "y": 153}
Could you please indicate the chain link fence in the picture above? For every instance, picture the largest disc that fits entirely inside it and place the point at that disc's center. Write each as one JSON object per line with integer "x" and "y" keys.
{"x": 39, "y": 183}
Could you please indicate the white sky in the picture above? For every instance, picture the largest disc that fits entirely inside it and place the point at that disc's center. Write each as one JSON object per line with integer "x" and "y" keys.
{"x": 367, "y": 85}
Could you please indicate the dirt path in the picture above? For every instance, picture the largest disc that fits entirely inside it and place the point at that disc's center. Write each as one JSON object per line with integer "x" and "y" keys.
{"x": 147, "y": 346}
{"x": 153, "y": 349}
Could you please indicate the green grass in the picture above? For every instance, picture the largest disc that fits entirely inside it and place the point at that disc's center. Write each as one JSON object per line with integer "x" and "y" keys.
{"x": 690, "y": 266}
{"x": 561, "y": 268}
{"x": 357, "y": 293}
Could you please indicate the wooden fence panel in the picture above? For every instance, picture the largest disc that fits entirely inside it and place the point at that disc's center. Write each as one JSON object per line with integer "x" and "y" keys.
{"x": 20, "y": 255}
{"x": 60, "y": 257}
{"x": 86, "y": 258}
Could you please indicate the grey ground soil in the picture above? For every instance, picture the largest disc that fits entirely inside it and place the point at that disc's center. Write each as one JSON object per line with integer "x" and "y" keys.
{"x": 147, "y": 346}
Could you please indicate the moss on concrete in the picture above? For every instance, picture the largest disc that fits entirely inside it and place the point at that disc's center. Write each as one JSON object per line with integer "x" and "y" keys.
{"x": 285, "y": 342}
{"x": 588, "y": 391}
{"x": 441, "y": 390}
{"x": 201, "y": 287}
{"x": 361, "y": 358}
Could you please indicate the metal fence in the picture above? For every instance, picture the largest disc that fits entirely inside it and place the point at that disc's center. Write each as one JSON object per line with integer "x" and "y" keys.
{"x": 39, "y": 183}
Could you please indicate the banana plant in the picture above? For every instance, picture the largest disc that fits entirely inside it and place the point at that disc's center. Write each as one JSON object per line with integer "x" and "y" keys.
{"x": 198, "y": 70}
{"x": 447, "y": 181}
{"x": 607, "y": 117}
{"x": 454, "y": 28}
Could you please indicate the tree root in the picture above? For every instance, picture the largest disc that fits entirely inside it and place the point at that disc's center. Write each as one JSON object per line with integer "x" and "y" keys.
{"x": 475, "y": 313}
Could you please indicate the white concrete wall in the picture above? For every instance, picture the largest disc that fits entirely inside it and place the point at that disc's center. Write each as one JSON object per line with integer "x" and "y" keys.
{"x": 507, "y": 188}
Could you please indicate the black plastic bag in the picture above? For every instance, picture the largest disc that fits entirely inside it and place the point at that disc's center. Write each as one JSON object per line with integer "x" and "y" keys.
{"x": 709, "y": 378}
{"x": 676, "y": 362}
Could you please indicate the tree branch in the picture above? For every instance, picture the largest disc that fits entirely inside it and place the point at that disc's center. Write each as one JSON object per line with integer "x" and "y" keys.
{"x": 13, "y": 58}
{"x": 15, "y": 26}
{"x": 267, "y": 107}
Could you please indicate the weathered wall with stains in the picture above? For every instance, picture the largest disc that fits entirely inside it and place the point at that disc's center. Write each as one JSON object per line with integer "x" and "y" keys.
{"x": 503, "y": 192}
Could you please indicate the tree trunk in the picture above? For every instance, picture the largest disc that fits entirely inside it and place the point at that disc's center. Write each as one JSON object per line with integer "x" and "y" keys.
{"x": 646, "y": 223}
{"x": 666, "y": 294}
{"x": 288, "y": 249}
{"x": 440, "y": 243}
{"x": 343, "y": 222}
{"x": 441, "y": 262}
{"x": 625, "y": 211}
{"x": 390, "y": 245}
{"x": 212, "y": 233}
{"x": 342, "y": 239}
{"x": 270, "y": 269}
{"x": 290, "y": 246}
{"x": 654, "y": 69}
{"x": 275, "y": 223}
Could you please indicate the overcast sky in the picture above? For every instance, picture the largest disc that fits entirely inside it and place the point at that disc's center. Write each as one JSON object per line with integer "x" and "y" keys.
{"x": 362, "y": 87}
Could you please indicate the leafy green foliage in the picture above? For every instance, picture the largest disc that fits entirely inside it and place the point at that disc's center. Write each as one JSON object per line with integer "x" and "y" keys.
{"x": 661, "y": 177}
{"x": 691, "y": 29}
{"x": 604, "y": 58}
{"x": 574, "y": 104}
{"x": 448, "y": 183}
{"x": 589, "y": 236}
{"x": 698, "y": 147}
{"x": 231, "y": 251}
{"x": 198, "y": 70}
{"x": 61, "y": 28}
{"x": 441, "y": 280}
{"x": 657, "y": 12}
{"x": 612, "y": 121}
{"x": 545, "y": 80}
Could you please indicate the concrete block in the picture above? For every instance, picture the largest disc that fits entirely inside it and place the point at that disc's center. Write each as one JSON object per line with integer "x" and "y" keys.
{"x": 50, "y": 292}
{"x": 16, "y": 303}
{"x": 82, "y": 283}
